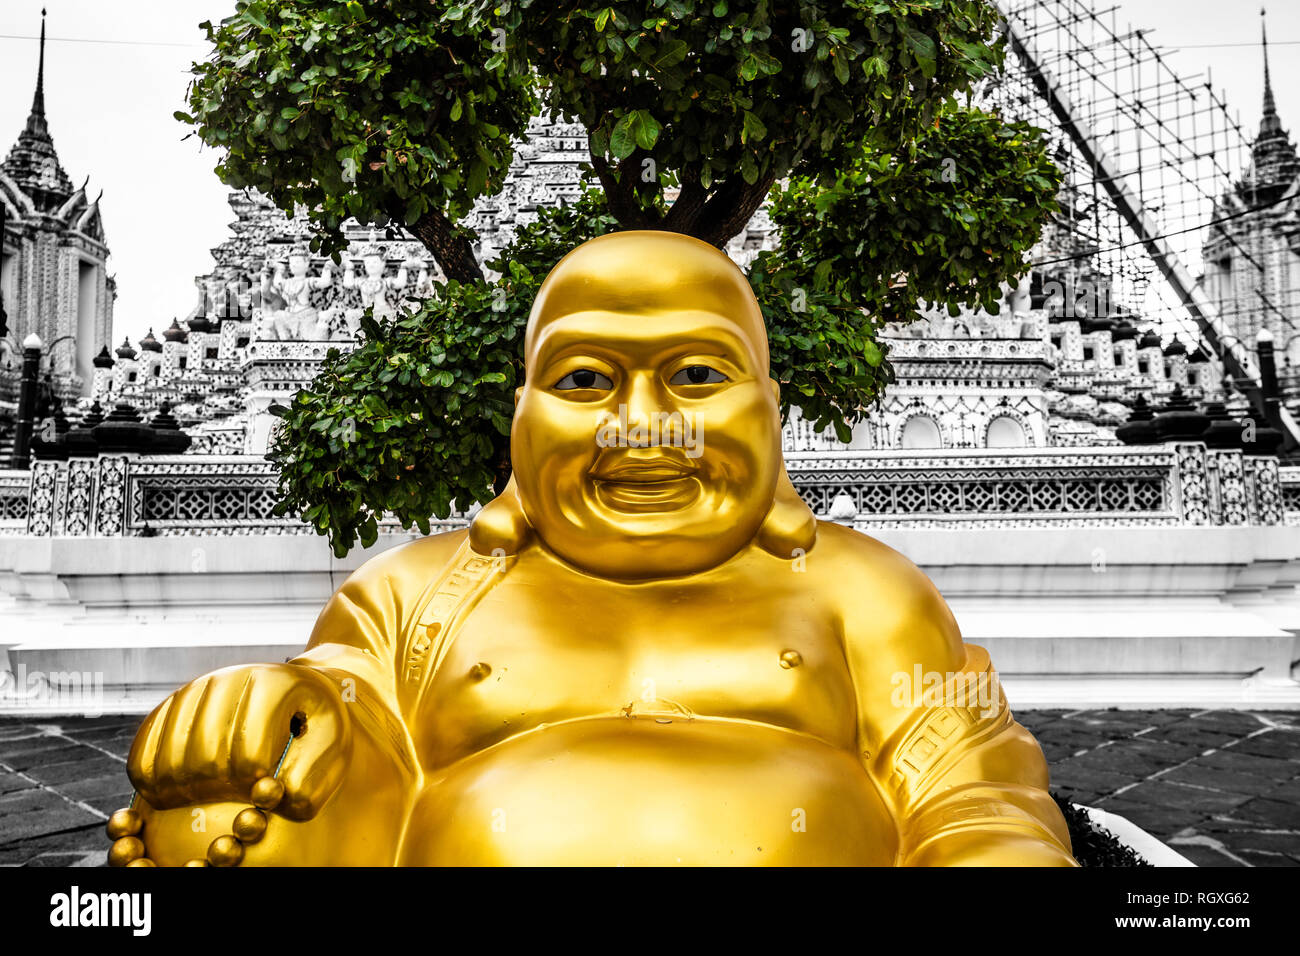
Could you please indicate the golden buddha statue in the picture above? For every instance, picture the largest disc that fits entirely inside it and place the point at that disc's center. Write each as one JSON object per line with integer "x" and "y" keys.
{"x": 645, "y": 651}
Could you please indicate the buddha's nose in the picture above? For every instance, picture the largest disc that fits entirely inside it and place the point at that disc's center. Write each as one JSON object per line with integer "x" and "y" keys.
{"x": 645, "y": 409}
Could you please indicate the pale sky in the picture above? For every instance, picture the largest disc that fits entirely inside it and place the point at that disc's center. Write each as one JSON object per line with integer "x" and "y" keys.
{"x": 110, "y": 106}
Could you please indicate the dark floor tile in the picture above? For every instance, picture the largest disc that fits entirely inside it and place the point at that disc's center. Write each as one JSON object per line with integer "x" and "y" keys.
{"x": 1233, "y": 722}
{"x": 1119, "y": 759}
{"x": 109, "y": 723}
{"x": 87, "y": 764}
{"x": 109, "y": 784}
{"x": 1196, "y": 736}
{"x": 1233, "y": 759}
{"x": 1161, "y": 822}
{"x": 49, "y": 753}
{"x": 1199, "y": 774}
{"x": 10, "y": 782}
{"x": 1177, "y": 796}
{"x": 30, "y": 813}
{"x": 56, "y": 859}
{"x": 14, "y": 732}
{"x": 1075, "y": 775}
{"x": 1275, "y": 813}
{"x": 1240, "y": 837}
{"x": 1255, "y": 858}
{"x": 83, "y": 839}
{"x": 110, "y": 803}
{"x": 1205, "y": 855}
{"x": 1278, "y": 744}
{"x": 1288, "y": 792}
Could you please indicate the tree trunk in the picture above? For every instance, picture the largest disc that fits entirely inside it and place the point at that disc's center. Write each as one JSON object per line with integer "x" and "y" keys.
{"x": 730, "y": 209}
{"x": 449, "y": 246}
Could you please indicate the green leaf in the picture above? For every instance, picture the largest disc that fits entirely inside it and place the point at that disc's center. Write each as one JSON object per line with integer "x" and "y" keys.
{"x": 622, "y": 142}
{"x": 669, "y": 54}
{"x": 923, "y": 49}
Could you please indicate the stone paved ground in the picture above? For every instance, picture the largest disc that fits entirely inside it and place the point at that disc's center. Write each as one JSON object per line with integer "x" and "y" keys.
{"x": 1222, "y": 787}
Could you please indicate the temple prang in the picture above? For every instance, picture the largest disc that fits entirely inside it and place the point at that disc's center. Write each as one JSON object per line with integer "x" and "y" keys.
{"x": 54, "y": 265}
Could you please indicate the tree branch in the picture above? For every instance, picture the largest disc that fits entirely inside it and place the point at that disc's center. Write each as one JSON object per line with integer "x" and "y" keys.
{"x": 730, "y": 209}
{"x": 449, "y": 246}
{"x": 620, "y": 192}
{"x": 686, "y": 208}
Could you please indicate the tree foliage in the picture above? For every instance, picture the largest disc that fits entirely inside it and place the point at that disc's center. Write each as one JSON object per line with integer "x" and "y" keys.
{"x": 417, "y": 417}
{"x": 845, "y": 116}
{"x": 398, "y": 111}
{"x": 405, "y": 110}
{"x": 946, "y": 225}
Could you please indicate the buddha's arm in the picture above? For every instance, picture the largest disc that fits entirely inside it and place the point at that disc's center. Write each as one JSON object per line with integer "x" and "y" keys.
{"x": 969, "y": 784}
{"x": 350, "y": 781}
{"x": 353, "y": 644}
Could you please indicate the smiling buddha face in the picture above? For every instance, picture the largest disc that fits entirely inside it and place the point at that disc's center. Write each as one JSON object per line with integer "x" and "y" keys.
{"x": 647, "y": 440}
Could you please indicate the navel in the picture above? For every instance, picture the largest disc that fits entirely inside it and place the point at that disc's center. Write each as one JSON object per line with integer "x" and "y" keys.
{"x": 791, "y": 659}
{"x": 480, "y": 671}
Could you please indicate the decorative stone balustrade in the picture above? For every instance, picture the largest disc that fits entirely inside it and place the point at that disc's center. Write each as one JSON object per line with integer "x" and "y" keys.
{"x": 124, "y": 495}
{"x": 14, "y": 489}
{"x": 1161, "y": 485}
{"x": 1290, "y": 478}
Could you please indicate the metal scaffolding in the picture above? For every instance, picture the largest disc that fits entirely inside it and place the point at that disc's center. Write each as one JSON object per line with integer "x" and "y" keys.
{"x": 1148, "y": 153}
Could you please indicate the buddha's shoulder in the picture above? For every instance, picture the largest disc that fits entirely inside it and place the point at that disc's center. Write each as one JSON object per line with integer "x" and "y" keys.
{"x": 854, "y": 559}
{"x": 409, "y": 567}
{"x": 878, "y": 592}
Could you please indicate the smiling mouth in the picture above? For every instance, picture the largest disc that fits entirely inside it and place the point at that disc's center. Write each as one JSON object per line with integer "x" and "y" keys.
{"x": 637, "y": 484}
{"x": 648, "y": 497}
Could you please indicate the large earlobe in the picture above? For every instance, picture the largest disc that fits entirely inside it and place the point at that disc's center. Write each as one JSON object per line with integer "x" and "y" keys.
{"x": 501, "y": 527}
{"x": 790, "y": 529}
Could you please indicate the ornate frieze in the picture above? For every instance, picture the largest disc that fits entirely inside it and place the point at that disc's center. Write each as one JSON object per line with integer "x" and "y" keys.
{"x": 1266, "y": 489}
{"x": 79, "y": 496}
{"x": 40, "y": 503}
{"x": 110, "y": 496}
{"x": 1229, "y": 504}
{"x": 1193, "y": 484}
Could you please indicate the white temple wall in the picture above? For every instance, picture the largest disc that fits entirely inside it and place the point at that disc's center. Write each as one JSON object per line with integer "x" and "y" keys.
{"x": 1099, "y": 616}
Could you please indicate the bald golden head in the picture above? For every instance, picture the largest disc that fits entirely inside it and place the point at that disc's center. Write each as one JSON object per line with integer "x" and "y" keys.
{"x": 642, "y": 275}
{"x": 647, "y": 434}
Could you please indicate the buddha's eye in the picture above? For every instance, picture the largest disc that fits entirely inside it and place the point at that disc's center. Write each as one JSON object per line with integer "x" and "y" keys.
{"x": 697, "y": 375}
{"x": 583, "y": 378}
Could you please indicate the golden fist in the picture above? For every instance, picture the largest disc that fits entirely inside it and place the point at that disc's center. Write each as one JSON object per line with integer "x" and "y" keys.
{"x": 215, "y": 738}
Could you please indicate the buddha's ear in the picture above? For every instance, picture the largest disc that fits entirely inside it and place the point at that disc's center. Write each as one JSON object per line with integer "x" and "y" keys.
{"x": 501, "y": 526}
{"x": 790, "y": 529}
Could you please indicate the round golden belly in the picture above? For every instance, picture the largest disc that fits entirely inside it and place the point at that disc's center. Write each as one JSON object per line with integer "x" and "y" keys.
{"x": 619, "y": 791}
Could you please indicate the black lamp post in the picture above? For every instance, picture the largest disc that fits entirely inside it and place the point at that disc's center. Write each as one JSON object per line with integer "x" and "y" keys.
{"x": 28, "y": 392}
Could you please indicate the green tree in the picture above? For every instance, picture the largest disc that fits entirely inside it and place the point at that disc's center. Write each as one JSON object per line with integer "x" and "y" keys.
{"x": 406, "y": 112}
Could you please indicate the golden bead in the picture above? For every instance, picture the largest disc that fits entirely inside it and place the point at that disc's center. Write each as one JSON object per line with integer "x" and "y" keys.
{"x": 196, "y": 862}
{"x": 143, "y": 861}
{"x": 267, "y": 793}
{"x": 225, "y": 851}
{"x": 124, "y": 823}
{"x": 249, "y": 825}
{"x": 791, "y": 659}
{"x": 124, "y": 850}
